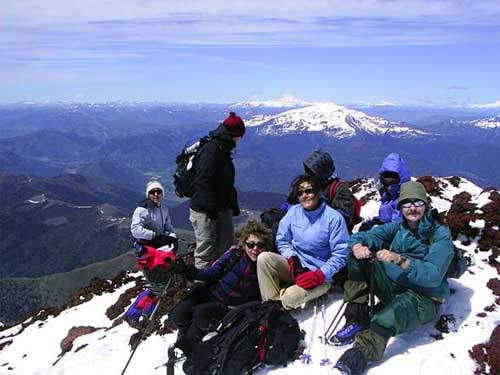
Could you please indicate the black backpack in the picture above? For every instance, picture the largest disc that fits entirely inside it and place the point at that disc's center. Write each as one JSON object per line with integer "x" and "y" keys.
{"x": 271, "y": 218}
{"x": 185, "y": 169}
{"x": 249, "y": 336}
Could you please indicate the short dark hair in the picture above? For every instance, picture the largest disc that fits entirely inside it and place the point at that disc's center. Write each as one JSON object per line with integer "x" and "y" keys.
{"x": 259, "y": 230}
{"x": 313, "y": 180}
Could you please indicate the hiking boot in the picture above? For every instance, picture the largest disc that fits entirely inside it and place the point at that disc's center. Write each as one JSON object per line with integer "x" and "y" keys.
{"x": 352, "y": 362}
{"x": 346, "y": 334}
{"x": 340, "y": 369}
{"x": 133, "y": 322}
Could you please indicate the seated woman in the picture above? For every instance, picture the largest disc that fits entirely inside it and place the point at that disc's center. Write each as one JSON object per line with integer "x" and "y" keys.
{"x": 312, "y": 241}
{"x": 231, "y": 280}
{"x": 412, "y": 258}
{"x": 152, "y": 229}
{"x": 151, "y": 224}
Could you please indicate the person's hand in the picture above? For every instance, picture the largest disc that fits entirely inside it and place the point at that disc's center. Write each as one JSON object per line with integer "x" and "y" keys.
{"x": 178, "y": 266}
{"x": 167, "y": 240}
{"x": 295, "y": 267}
{"x": 387, "y": 256}
{"x": 181, "y": 268}
{"x": 361, "y": 251}
{"x": 310, "y": 279}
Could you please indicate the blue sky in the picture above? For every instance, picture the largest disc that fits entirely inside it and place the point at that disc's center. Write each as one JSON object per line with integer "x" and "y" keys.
{"x": 403, "y": 52}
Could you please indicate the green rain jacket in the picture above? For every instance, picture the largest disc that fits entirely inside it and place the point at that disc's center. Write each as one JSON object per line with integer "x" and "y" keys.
{"x": 430, "y": 252}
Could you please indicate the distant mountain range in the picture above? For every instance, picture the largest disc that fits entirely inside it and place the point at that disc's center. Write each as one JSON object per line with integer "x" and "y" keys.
{"x": 286, "y": 101}
{"x": 126, "y": 143}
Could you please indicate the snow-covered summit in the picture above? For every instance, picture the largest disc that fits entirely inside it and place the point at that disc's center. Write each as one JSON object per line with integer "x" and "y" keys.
{"x": 488, "y": 105}
{"x": 286, "y": 101}
{"x": 332, "y": 119}
{"x": 88, "y": 336}
{"x": 486, "y": 123}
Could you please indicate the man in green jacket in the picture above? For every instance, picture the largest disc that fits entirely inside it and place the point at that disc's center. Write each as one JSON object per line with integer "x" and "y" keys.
{"x": 410, "y": 260}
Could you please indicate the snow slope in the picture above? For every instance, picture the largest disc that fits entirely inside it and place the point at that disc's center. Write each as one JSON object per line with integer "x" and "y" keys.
{"x": 332, "y": 119}
{"x": 35, "y": 345}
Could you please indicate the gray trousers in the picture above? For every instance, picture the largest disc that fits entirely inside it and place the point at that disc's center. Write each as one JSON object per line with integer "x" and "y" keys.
{"x": 213, "y": 237}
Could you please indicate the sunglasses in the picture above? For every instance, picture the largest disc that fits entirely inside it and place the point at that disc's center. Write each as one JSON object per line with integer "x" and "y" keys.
{"x": 415, "y": 202}
{"x": 258, "y": 245}
{"x": 156, "y": 192}
{"x": 306, "y": 191}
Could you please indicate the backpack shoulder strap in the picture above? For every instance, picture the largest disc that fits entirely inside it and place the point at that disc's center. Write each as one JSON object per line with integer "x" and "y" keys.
{"x": 332, "y": 191}
{"x": 232, "y": 261}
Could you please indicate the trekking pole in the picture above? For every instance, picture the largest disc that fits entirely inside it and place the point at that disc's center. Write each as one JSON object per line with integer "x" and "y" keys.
{"x": 329, "y": 331}
{"x": 372, "y": 287}
{"x": 306, "y": 358}
{"x": 325, "y": 361}
{"x": 150, "y": 319}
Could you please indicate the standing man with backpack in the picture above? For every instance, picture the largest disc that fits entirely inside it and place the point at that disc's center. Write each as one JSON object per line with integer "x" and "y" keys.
{"x": 214, "y": 201}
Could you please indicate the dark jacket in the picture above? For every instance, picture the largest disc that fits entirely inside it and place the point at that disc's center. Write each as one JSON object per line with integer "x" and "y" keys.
{"x": 236, "y": 285}
{"x": 343, "y": 201}
{"x": 214, "y": 176}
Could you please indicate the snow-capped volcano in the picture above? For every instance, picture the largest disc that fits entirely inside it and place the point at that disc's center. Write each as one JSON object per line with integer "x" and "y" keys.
{"x": 486, "y": 123}
{"x": 332, "y": 119}
{"x": 286, "y": 101}
{"x": 488, "y": 105}
{"x": 88, "y": 336}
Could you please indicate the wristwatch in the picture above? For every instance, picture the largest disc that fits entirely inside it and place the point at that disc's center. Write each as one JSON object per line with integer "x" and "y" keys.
{"x": 402, "y": 259}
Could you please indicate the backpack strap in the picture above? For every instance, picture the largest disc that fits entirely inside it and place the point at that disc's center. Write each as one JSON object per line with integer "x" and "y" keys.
{"x": 332, "y": 191}
{"x": 232, "y": 261}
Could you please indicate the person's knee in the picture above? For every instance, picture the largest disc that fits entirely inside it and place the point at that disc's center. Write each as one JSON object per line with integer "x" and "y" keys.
{"x": 264, "y": 258}
{"x": 293, "y": 297}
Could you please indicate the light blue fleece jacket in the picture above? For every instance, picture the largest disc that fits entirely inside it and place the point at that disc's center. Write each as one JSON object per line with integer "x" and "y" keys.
{"x": 318, "y": 238}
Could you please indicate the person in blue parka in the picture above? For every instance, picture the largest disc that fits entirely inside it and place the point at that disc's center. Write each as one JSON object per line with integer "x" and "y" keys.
{"x": 312, "y": 243}
{"x": 392, "y": 174}
{"x": 409, "y": 261}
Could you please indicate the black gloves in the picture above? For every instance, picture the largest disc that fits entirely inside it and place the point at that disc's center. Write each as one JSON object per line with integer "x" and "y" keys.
{"x": 163, "y": 240}
{"x": 296, "y": 267}
{"x": 181, "y": 268}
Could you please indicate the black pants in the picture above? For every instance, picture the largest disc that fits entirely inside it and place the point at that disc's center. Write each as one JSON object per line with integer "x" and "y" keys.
{"x": 193, "y": 317}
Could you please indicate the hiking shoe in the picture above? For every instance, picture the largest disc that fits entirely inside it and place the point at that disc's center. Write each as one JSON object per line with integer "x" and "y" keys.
{"x": 352, "y": 362}
{"x": 340, "y": 369}
{"x": 346, "y": 334}
{"x": 134, "y": 323}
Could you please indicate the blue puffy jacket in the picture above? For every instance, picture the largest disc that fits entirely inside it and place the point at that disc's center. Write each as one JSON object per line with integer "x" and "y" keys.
{"x": 388, "y": 211}
{"x": 318, "y": 238}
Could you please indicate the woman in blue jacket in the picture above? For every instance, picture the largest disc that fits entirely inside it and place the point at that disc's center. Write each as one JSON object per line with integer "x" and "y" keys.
{"x": 410, "y": 261}
{"x": 231, "y": 280}
{"x": 312, "y": 243}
